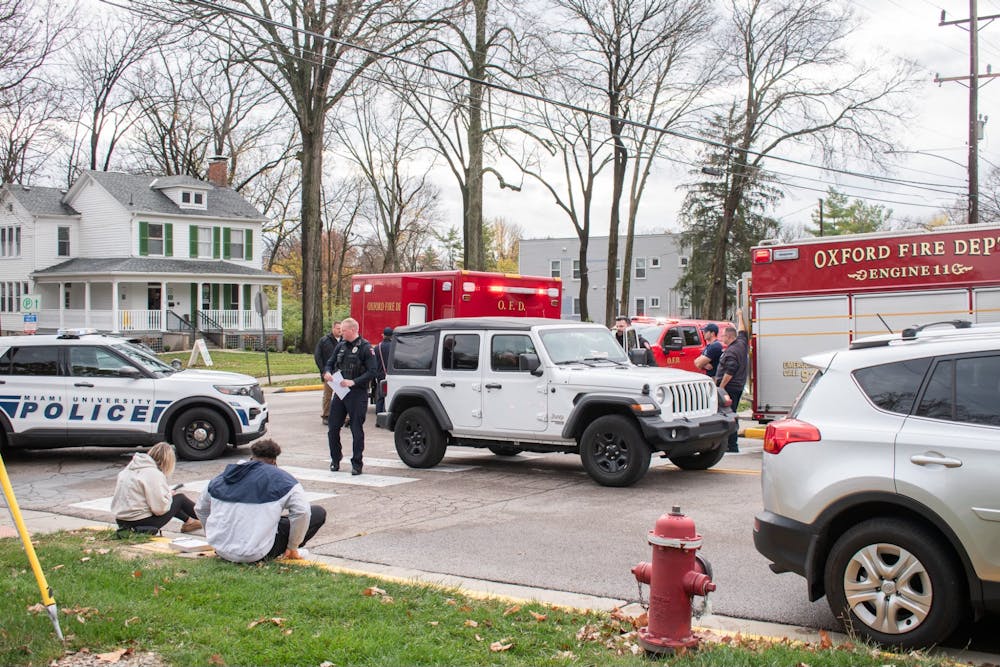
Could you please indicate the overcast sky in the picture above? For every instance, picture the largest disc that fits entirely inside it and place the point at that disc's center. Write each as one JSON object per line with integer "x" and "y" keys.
{"x": 904, "y": 28}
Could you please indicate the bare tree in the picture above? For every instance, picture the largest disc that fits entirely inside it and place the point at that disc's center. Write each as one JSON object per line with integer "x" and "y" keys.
{"x": 344, "y": 211}
{"x": 486, "y": 42}
{"x": 381, "y": 142}
{"x": 622, "y": 47}
{"x": 30, "y": 32}
{"x": 29, "y": 133}
{"x": 789, "y": 57}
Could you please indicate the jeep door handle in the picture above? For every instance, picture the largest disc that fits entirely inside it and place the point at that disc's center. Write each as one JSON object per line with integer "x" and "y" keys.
{"x": 83, "y": 384}
{"x": 493, "y": 385}
{"x": 927, "y": 460}
{"x": 447, "y": 384}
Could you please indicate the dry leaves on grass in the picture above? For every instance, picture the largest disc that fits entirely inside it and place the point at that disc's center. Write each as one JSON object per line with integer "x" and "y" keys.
{"x": 375, "y": 591}
{"x": 469, "y": 623}
{"x": 113, "y": 657}
{"x": 502, "y": 645}
{"x": 512, "y": 610}
{"x": 36, "y": 608}
{"x": 824, "y": 639}
{"x": 276, "y": 620}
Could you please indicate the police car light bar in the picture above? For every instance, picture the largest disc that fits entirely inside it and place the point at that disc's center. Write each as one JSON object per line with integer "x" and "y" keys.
{"x": 75, "y": 333}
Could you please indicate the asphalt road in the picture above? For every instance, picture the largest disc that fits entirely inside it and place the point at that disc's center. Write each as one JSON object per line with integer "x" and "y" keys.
{"x": 532, "y": 519}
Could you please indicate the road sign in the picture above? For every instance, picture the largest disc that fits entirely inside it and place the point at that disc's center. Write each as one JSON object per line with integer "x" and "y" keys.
{"x": 30, "y": 323}
{"x": 30, "y": 303}
{"x": 260, "y": 303}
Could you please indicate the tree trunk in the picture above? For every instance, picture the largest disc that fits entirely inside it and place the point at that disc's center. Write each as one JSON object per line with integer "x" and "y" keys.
{"x": 475, "y": 253}
{"x": 620, "y": 159}
{"x": 312, "y": 232}
{"x": 584, "y": 278}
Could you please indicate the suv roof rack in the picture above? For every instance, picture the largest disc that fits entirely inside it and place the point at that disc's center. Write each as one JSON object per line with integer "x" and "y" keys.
{"x": 909, "y": 333}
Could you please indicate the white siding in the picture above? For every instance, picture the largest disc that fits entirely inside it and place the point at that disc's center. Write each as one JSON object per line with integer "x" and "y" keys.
{"x": 105, "y": 224}
{"x": 18, "y": 268}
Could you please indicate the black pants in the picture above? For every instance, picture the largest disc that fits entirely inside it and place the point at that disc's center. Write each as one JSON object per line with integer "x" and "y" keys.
{"x": 181, "y": 507}
{"x": 317, "y": 517}
{"x": 733, "y": 437}
{"x": 355, "y": 406}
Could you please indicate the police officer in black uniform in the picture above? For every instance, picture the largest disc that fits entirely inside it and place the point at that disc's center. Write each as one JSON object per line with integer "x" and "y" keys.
{"x": 355, "y": 359}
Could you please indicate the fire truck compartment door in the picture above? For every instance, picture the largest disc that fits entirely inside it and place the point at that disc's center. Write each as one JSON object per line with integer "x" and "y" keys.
{"x": 906, "y": 309}
{"x": 986, "y": 304}
{"x": 785, "y": 331}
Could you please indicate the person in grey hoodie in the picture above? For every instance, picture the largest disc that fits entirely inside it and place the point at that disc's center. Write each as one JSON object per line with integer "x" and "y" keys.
{"x": 242, "y": 509}
{"x": 144, "y": 501}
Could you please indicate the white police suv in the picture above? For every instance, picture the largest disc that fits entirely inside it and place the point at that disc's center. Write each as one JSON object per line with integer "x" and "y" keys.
{"x": 80, "y": 388}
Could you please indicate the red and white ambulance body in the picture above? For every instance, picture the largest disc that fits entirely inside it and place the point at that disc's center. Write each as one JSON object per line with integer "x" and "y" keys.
{"x": 820, "y": 293}
{"x": 380, "y": 300}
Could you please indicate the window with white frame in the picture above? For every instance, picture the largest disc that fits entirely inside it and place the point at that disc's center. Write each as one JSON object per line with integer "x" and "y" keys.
{"x": 155, "y": 246}
{"x": 683, "y": 261}
{"x": 236, "y": 244}
{"x": 654, "y": 262}
{"x": 576, "y": 269}
{"x": 555, "y": 268}
{"x": 640, "y": 268}
{"x": 10, "y": 241}
{"x": 576, "y": 305}
{"x": 62, "y": 241}
{"x": 654, "y": 302}
{"x": 199, "y": 198}
{"x": 185, "y": 197}
{"x": 640, "y": 305}
{"x": 205, "y": 242}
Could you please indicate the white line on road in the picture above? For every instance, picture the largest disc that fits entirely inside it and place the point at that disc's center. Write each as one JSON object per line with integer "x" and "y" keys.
{"x": 345, "y": 476}
{"x": 399, "y": 465}
{"x": 104, "y": 504}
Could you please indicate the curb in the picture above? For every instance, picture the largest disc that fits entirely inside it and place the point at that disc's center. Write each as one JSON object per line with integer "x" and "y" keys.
{"x": 304, "y": 387}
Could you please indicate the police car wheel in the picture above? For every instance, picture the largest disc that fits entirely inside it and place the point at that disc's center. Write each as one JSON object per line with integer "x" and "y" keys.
{"x": 200, "y": 434}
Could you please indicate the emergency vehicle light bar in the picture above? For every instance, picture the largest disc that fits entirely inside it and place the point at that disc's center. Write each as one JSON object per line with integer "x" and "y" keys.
{"x": 507, "y": 289}
{"x": 767, "y": 255}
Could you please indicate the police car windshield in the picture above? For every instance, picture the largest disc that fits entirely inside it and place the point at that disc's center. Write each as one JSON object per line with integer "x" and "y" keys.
{"x": 577, "y": 345}
{"x": 143, "y": 358}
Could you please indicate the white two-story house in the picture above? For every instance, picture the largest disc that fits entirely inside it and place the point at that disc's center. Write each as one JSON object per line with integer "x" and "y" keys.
{"x": 157, "y": 258}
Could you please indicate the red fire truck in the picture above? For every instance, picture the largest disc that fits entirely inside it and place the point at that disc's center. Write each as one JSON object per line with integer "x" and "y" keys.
{"x": 380, "y": 300}
{"x": 820, "y": 293}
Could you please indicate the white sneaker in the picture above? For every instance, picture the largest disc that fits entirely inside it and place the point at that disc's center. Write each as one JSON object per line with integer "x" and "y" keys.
{"x": 303, "y": 553}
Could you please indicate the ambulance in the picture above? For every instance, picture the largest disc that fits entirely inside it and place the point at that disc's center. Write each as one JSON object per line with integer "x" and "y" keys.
{"x": 822, "y": 293}
{"x": 380, "y": 300}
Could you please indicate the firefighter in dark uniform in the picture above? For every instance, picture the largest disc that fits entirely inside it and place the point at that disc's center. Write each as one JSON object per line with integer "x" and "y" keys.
{"x": 354, "y": 357}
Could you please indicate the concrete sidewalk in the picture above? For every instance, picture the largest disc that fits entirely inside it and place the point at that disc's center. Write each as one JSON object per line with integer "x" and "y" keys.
{"x": 47, "y": 522}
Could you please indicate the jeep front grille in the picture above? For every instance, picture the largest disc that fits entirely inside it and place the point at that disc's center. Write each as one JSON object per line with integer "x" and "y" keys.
{"x": 693, "y": 399}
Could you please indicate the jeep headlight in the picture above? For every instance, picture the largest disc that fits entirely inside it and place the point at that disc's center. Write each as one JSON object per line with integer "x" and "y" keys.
{"x": 249, "y": 391}
{"x": 663, "y": 397}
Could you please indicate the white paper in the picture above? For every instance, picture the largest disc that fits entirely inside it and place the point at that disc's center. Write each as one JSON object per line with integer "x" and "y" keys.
{"x": 335, "y": 385}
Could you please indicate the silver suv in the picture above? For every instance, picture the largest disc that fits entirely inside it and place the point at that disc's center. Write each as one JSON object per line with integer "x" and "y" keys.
{"x": 881, "y": 486}
{"x": 519, "y": 384}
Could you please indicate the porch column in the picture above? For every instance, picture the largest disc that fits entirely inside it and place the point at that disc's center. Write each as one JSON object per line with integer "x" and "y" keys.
{"x": 114, "y": 307}
{"x": 86, "y": 304}
{"x": 279, "y": 300}
{"x": 244, "y": 315}
{"x": 163, "y": 305}
{"x": 62, "y": 305}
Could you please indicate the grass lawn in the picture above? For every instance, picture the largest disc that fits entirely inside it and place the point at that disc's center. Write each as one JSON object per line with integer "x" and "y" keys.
{"x": 251, "y": 363}
{"x": 204, "y": 611}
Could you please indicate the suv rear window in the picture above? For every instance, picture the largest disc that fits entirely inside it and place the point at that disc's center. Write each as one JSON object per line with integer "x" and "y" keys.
{"x": 893, "y": 387}
{"x": 413, "y": 352}
{"x": 963, "y": 390}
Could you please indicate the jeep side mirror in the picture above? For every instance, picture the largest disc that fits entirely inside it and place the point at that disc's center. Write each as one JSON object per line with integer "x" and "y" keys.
{"x": 674, "y": 345}
{"x": 528, "y": 361}
{"x": 638, "y": 356}
{"x": 176, "y": 364}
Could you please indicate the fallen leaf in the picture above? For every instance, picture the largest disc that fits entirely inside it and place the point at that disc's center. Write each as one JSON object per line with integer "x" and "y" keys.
{"x": 88, "y": 551}
{"x": 568, "y": 655}
{"x": 85, "y": 559}
{"x": 478, "y": 638}
{"x": 465, "y": 608}
{"x": 824, "y": 639}
{"x": 538, "y": 617}
{"x": 451, "y": 602}
{"x": 58, "y": 567}
{"x": 36, "y": 608}
{"x": 434, "y": 623}
{"x": 373, "y": 590}
{"x": 387, "y": 599}
{"x": 80, "y": 619}
{"x": 640, "y": 621}
{"x": 156, "y": 590}
{"x": 113, "y": 656}
{"x": 102, "y": 552}
{"x": 469, "y": 623}
{"x": 497, "y": 647}
{"x": 286, "y": 632}
{"x": 512, "y": 610}
{"x": 216, "y": 659}
{"x": 136, "y": 574}
{"x": 278, "y": 621}
{"x": 132, "y": 620}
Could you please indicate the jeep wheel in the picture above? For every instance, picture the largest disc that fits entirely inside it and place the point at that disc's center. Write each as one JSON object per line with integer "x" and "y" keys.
{"x": 701, "y": 460}
{"x": 613, "y": 451}
{"x": 893, "y": 582}
{"x": 505, "y": 450}
{"x": 200, "y": 434}
{"x": 419, "y": 441}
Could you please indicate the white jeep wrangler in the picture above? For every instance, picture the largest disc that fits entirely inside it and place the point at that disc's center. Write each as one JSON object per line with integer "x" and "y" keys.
{"x": 521, "y": 384}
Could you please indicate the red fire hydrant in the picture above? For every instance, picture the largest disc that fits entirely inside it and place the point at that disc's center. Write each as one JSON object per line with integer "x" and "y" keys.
{"x": 674, "y": 577}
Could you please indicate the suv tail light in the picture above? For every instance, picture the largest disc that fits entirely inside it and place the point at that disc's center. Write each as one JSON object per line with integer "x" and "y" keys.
{"x": 787, "y": 431}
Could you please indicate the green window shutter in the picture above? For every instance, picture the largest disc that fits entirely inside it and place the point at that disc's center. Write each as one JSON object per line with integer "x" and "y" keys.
{"x": 192, "y": 241}
{"x": 225, "y": 242}
{"x": 246, "y": 297}
{"x": 195, "y": 305}
{"x": 215, "y": 296}
{"x": 143, "y": 239}
{"x": 248, "y": 244}
{"x": 216, "y": 244}
{"x": 168, "y": 239}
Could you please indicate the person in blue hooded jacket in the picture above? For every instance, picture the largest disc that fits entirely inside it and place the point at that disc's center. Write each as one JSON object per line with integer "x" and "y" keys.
{"x": 242, "y": 509}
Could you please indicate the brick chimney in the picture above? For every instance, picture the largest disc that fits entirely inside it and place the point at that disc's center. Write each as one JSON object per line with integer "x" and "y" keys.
{"x": 218, "y": 168}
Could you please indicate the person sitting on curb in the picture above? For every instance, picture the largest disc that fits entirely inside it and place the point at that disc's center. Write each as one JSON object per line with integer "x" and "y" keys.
{"x": 143, "y": 500}
{"x": 242, "y": 509}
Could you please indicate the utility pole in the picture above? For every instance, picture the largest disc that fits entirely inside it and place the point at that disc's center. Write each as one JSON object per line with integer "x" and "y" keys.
{"x": 821, "y": 216}
{"x": 973, "y": 83}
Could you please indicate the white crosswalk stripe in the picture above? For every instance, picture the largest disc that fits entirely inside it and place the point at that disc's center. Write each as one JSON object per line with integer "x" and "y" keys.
{"x": 345, "y": 476}
{"x": 399, "y": 465}
{"x": 197, "y": 486}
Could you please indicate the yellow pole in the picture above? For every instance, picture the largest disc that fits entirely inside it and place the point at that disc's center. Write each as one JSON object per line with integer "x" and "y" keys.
{"x": 29, "y": 549}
